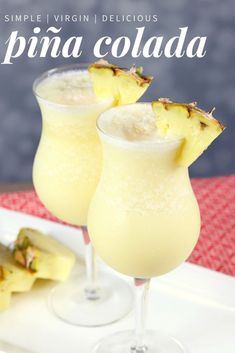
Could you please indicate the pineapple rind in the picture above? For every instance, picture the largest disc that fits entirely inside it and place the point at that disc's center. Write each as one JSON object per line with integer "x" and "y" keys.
{"x": 196, "y": 128}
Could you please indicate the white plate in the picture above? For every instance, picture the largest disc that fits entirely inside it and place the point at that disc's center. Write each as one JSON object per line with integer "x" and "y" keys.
{"x": 192, "y": 303}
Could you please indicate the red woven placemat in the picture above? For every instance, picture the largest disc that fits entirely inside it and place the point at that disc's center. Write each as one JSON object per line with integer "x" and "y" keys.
{"x": 216, "y": 197}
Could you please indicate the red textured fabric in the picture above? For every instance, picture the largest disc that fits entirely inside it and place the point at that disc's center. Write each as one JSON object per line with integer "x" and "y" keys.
{"x": 216, "y": 198}
{"x": 216, "y": 246}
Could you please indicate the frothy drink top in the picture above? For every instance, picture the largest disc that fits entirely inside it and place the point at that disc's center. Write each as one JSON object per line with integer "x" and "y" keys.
{"x": 72, "y": 88}
{"x": 132, "y": 123}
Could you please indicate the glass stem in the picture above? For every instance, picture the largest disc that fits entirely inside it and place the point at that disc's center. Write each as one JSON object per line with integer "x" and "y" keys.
{"x": 91, "y": 289}
{"x": 142, "y": 287}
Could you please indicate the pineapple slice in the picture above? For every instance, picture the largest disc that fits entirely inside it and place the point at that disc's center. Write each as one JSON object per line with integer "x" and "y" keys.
{"x": 43, "y": 255}
{"x": 12, "y": 278}
{"x": 122, "y": 85}
{"x": 195, "y": 127}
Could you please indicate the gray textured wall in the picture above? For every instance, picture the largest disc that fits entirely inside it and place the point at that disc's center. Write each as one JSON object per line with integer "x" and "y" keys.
{"x": 210, "y": 81}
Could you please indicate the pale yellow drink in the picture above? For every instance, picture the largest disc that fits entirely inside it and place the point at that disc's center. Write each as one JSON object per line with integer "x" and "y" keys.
{"x": 143, "y": 219}
{"x": 68, "y": 160}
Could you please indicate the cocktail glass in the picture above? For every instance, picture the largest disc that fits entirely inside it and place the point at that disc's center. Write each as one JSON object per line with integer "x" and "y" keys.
{"x": 65, "y": 174}
{"x": 144, "y": 219}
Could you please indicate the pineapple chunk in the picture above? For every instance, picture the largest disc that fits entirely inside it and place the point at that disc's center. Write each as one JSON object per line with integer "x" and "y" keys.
{"x": 13, "y": 278}
{"x": 43, "y": 255}
{"x": 5, "y": 299}
{"x": 195, "y": 127}
{"x": 122, "y": 85}
{"x": 5, "y": 295}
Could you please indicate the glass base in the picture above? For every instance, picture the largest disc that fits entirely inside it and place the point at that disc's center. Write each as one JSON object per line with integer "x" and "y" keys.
{"x": 124, "y": 342}
{"x": 69, "y": 301}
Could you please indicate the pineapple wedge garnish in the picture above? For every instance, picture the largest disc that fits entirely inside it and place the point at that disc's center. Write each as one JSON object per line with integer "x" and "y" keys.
{"x": 42, "y": 255}
{"x": 195, "y": 127}
{"x": 122, "y": 85}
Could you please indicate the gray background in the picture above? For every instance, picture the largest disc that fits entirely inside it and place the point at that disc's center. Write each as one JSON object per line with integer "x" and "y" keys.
{"x": 210, "y": 80}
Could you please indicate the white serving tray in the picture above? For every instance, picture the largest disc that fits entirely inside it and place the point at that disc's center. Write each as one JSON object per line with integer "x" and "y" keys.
{"x": 192, "y": 303}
